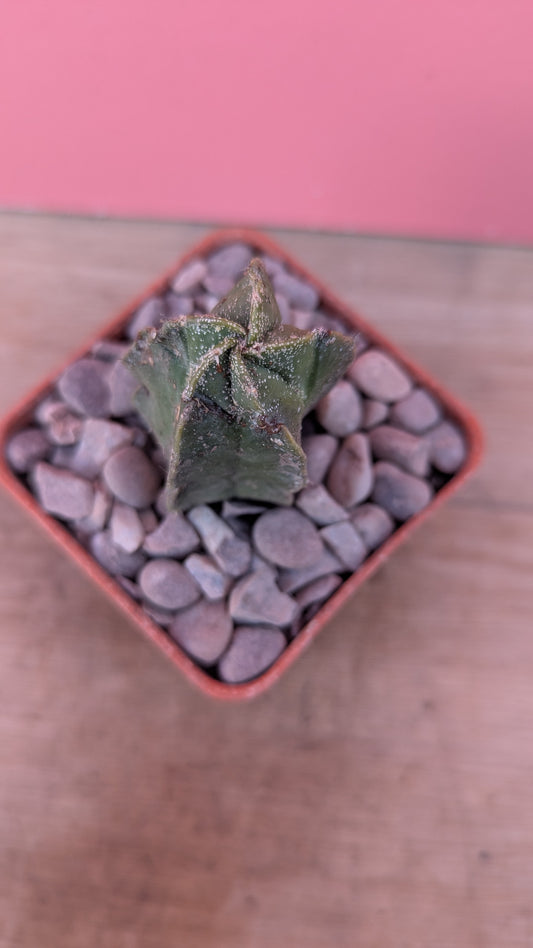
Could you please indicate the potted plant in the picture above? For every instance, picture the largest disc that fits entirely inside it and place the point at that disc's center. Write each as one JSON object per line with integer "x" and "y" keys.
{"x": 233, "y": 456}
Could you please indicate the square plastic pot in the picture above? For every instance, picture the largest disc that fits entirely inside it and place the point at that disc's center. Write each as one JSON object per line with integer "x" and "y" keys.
{"x": 23, "y": 412}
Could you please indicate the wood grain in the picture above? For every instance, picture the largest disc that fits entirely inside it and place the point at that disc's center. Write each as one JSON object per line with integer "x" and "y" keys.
{"x": 380, "y": 795}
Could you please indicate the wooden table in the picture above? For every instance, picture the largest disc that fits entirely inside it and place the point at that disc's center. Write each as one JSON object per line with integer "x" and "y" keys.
{"x": 381, "y": 796}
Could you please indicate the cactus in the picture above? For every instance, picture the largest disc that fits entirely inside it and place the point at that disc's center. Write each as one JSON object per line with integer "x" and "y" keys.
{"x": 225, "y": 394}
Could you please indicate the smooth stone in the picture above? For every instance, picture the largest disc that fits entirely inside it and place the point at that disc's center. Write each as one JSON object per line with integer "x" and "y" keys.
{"x": 149, "y": 520}
{"x": 132, "y": 589}
{"x": 109, "y": 350}
{"x": 231, "y": 553}
{"x": 301, "y": 318}
{"x": 257, "y": 598}
{"x": 150, "y": 314}
{"x": 161, "y": 503}
{"x": 112, "y": 558}
{"x": 84, "y": 387}
{"x": 373, "y": 523}
{"x": 126, "y": 529}
{"x": 402, "y": 495}
{"x": 272, "y": 264}
{"x": 203, "y": 631}
{"x": 205, "y": 302}
{"x": 62, "y": 493}
{"x": 447, "y": 447}
{"x": 122, "y": 386}
{"x": 45, "y": 410}
{"x": 63, "y": 455}
{"x": 168, "y": 585}
{"x": 291, "y": 580}
{"x": 160, "y": 616}
{"x": 99, "y": 515}
{"x": 374, "y": 413}
{"x": 230, "y": 261}
{"x": 318, "y": 504}
{"x": 26, "y": 448}
{"x": 340, "y": 411}
{"x": 173, "y": 537}
{"x": 318, "y": 591}
{"x": 211, "y": 580}
{"x": 284, "y": 308}
{"x": 131, "y": 477}
{"x": 64, "y": 427}
{"x": 252, "y": 650}
{"x": 378, "y": 376}
{"x": 417, "y": 413}
{"x": 345, "y": 542}
{"x": 287, "y": 538}
{"x": 299, "y": 293}
{"x": 319, "y": 450}
{"x": 189, "y": 277}
{"x": 407, "y": 450}
{"x": 350, "y": 476}
{"x": 218, "y": 285}
{"x": 99, "y": 438}
{"x": 178, "y": 306}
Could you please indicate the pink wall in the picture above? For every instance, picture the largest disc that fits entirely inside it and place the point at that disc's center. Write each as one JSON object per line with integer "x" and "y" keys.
{"x": 394, "y": 116}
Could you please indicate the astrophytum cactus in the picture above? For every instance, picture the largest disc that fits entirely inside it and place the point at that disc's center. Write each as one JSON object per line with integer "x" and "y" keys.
{"x": 225, "y": 394}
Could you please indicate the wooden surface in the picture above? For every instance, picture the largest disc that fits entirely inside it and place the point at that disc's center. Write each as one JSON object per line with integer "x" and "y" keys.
{"x": 381, "y": 796}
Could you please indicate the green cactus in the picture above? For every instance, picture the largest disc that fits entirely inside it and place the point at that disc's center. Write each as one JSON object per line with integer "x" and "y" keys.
{"x": 225, "y": 394}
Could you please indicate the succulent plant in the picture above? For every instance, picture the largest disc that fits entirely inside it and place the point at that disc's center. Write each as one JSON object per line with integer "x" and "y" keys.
{"x": 225, "y": 394}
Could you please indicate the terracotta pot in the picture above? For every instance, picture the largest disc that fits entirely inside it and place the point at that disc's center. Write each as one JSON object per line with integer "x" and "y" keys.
{"x": 22, "y": 413}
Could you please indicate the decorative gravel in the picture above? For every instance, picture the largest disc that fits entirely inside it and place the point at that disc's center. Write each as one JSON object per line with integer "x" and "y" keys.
{"x": 232, "y": 584}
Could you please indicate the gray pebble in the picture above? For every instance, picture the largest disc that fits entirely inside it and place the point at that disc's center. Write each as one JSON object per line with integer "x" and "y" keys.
{"x": 350, "y": 475}
{"x": 373, "y": 523}
{"x": 318, "y": 591}
{"x": 212, "y": 581}
{"x": 64, "y": 427}
{"x": 292, "y": 579}
{"x": 203, "y": 631}
{"x": 160, "y": 616}
{"x": 131, "y": 477}
{"x": 231, "y": 553}
{"x": 407, "y": 450}
{"x": 401, "y": 494}
{"x": 345, "y": 542}
{"x": 126, "y": 528}
{"x": 189, "y": 277}
{"x": 45, "y": 410}
{"x": 257, "y": 598}
{"x": 230, "y": 261}
{"x": 447, "y": 447}
{"x": 299, "y": 293}
{"x": 287, "y": 538}
{"x": 84, "y": 387}
{"x": 218, "y": 286}
{"x": 417, "y": 413}
{"x": 149, "y": 520}
{"x": 173, "y": 537}
{"x": 161, "y": 503}
{"x": 99, "y": 438}
{"x": 318, "y": 504}
{"x": 205, "y": 302}
{"x": 27, "y": 447}
{"x": 178, "y": 306}
{"x": 301, "y": 318}
{"x": 122, "y": 386}
{"x": 374, "y": 413}
{"x": 62, "y": 493}
{"x": 112, "y": 558}
{"x": 99, "y": 515}
{"x": 284, "y": 308}
{"x": 109, "y": 350}
{"x": 272, "y": 264}
{"x": 132, "y": 589}
{"x": 320, "y": 450}
{"x": 240, "y": 508}
{"x": 168, "y": 585}
{"x": 340, "y": 411}
{"x": 150, "y": 313}
{"x": 252, "y": 650}
{"x": 378, "y": 376}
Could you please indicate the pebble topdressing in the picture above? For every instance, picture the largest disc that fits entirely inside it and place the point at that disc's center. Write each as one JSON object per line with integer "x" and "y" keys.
{"x": 233, "y": 584}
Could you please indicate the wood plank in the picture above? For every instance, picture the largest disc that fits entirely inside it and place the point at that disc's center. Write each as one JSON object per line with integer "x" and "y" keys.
{"x": 380, "y": 794}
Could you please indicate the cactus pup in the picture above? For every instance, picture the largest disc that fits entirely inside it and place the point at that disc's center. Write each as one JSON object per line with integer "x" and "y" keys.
{"x": 225, "y": 394}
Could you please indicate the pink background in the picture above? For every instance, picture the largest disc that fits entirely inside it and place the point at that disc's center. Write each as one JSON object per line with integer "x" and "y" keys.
{"x": 391, "y": 116}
